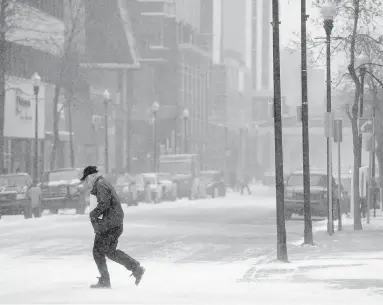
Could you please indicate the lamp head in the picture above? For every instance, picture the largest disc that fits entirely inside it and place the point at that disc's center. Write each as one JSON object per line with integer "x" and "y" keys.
{"x": 328, "y": 10}
{"x": 36, "y": 80}
{"x": 185, "y": 114}
{"x": 155, "y": 107}
{"x": 106, "y": 95}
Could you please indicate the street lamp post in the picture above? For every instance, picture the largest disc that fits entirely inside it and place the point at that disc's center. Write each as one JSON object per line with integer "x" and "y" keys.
{"x": 185, "y": 116}
{"x": 36, "y": 81}
{"x": 106, "y": 95}
{"x": 155, "y": 108}
{"x": 328, "y": 13}
{"x": 308, "y": 234}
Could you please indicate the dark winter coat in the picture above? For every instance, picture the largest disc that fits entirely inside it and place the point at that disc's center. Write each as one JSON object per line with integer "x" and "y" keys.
{"x": 109, "y": 206}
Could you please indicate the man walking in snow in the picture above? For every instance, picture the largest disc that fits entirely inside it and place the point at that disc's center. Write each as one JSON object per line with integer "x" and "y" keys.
{"x": 107, "y": 220}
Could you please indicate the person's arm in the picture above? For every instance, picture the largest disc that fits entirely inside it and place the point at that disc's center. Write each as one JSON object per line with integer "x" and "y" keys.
{"x": 104, "y": 200}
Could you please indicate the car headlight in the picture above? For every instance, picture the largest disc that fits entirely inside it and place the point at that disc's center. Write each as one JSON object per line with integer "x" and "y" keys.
{"x": 21, "y": 196}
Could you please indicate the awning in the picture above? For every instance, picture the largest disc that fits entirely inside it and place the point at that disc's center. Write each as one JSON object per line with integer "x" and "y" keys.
{"x": 109, "y": 39}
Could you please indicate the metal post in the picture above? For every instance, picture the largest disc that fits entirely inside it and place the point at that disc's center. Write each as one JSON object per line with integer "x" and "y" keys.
{"x": 308, "y": 234}
{"x": 72, "y": 161}
{"x": 373, "y": 163}
{"x": 35, "y": 172}
{"x": 339, "y": 190}
{"x": 328, "y": 25}
{"x": 154, "y": 142}
{"x": 369, "y": 184}
{"x": 226, "y": 156}
{"x": 186, "y": 136}
{"x": 279, "y": 179}
{"x": 330, "y": 223}
{"x": 106, "y": 137}
{"x": 175, "y": 143}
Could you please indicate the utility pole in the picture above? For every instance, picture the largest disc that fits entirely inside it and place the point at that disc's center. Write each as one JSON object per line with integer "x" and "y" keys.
{"x": 338, "y": 137}
{"x": 373, "y": 164}
{"x": 328, "y": 24}
{"x": 279, "y": 179}
{"x": 308, "y": 232}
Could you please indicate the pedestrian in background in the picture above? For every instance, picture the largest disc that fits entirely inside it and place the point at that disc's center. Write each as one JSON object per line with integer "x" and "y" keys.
{"x": 245, "y": 184}
{"x": 107, "y": 220}
{"x": 34, "y": 195}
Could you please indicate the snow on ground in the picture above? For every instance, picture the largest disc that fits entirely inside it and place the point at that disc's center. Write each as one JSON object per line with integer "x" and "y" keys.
{"x": 329, "y": 273}
{"x": 348, "y": 261}
{"x": 48, "y": 281}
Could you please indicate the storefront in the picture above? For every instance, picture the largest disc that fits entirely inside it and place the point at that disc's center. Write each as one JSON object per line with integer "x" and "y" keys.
{"x": 19, "y": 125}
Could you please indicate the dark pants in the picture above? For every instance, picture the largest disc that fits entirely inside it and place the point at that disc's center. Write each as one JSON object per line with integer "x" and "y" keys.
{"x": 105, "y": 245}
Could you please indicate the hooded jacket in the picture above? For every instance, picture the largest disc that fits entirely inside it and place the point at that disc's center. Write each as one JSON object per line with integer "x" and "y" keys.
{"x": 108, "y": 206}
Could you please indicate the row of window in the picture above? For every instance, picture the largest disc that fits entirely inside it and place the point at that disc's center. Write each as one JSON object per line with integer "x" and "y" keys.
{"x": 54, "y": 8}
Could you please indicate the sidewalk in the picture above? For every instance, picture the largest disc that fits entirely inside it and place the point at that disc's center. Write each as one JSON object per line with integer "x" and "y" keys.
{"x": 347, "y": 261}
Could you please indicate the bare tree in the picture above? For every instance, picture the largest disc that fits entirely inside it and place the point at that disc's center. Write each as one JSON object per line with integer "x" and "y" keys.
{"x": 357, "y": 29}
{"x": 73, "y": 33}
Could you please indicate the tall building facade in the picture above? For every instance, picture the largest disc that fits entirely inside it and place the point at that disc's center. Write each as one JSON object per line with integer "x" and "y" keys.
{"x": 174, "y": 45}
{"x": 262, "y": 64}
{"x": 237, "y": 28}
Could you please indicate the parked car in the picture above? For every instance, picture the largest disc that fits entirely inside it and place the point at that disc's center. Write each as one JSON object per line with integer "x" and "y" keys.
{"x": 13, "y": 194}
{"x": 149, "y": 180}
{"x": 318, "y": 195}
{"x": 62, "y": 189}
{"x": 159, "y": 188}
{"x": 214, "y": 183}
{"x": 123, "y": 187}
{"x": 168, "y": 187}
{"x": 183, "y": 168}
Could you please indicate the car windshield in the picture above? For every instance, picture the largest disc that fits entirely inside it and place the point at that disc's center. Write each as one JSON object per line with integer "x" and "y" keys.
{"x": 124, "y": 179}
{"x": 315, "y": 180}
{"x": 162, "y": 176}
{"x": 149, "y": 179}
{"x": 208, "y": 176}
{"x": 176, "y": 167}
{"x": 63, "y": 175}
{"x": 14, "y": 180}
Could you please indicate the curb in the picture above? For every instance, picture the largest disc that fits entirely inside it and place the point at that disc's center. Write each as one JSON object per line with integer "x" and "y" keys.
{"x": 252, "y": 273}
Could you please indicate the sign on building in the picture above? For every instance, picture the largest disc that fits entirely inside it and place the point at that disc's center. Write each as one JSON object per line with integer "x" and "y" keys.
{"x": 19, "y": 112}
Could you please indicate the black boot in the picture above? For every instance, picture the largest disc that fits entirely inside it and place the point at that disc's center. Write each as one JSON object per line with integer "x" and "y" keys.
{"x": 138, "y": 273}
{"x": 101, "y": 284}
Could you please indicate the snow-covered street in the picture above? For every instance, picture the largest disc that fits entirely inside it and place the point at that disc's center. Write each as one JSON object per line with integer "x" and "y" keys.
{"x": 195, "y": 252}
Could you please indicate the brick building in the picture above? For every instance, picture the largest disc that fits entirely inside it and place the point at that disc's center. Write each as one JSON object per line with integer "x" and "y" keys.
{"x": 28, "y": 50}
{"x": 175, "y": 60}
